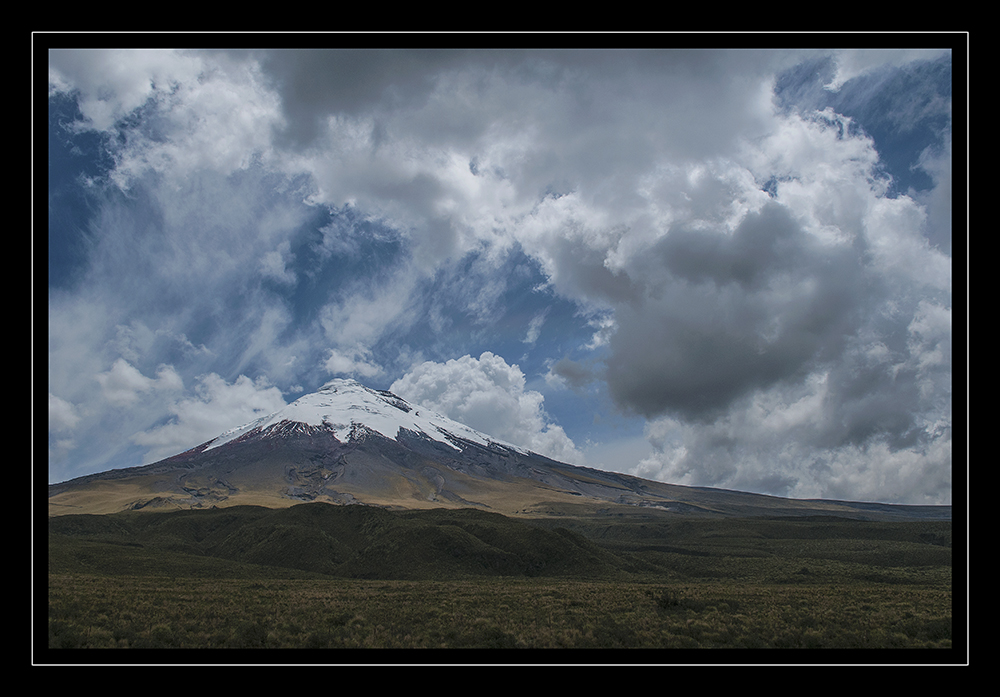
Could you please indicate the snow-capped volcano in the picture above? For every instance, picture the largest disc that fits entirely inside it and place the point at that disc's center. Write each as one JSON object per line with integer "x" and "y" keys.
{"x": 347, "y": 444}
{"x": 344, "y": 407}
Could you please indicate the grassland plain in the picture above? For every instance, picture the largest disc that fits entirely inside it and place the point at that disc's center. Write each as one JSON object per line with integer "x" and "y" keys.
{"x": 320, "y": 577}
{"x": 501, "y": 613}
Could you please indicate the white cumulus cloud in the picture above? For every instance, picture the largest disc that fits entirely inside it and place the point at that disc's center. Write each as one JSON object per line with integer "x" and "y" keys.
{"x": 488, "y": 395}
{"x": 351, "y": 362}
{"x": 63, "y": 415}
{"x": 123, "y": 384}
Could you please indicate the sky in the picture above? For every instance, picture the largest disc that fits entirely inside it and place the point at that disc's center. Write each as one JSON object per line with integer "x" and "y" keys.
{"x": 725, "y": 268}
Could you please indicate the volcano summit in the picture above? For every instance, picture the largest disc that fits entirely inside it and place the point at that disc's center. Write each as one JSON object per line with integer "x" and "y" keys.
{"x": 349, "y": 444}
{"x": 348, "y": 408}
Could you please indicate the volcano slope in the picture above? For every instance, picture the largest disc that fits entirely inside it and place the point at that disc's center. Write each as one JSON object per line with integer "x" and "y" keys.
{"x": 350, "y": 444}
{"x": 293, "y": 465}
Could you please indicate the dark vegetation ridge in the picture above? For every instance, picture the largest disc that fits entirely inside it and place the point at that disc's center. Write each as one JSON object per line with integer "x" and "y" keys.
{"x": 374, "y": 543}
{"x": 339, "y": 541}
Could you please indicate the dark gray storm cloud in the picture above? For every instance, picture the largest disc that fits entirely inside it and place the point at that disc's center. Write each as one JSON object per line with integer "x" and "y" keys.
{"x": 317, "y": 84}
{"x": 509, "y": 87}
{"x": 732, "y": 313}
{"x": 766, "y": 243}
{"x": 575, "y": 374}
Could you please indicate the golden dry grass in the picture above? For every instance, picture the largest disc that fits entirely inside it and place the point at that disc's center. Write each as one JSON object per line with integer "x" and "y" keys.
{"x": 112, "y": 496}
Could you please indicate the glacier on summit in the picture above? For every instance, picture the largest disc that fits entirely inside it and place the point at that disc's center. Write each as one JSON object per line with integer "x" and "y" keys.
{"x": 342, "y": 405}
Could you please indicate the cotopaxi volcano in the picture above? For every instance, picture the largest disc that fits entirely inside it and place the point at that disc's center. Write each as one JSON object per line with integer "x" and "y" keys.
{"x": 349, "y": 444}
